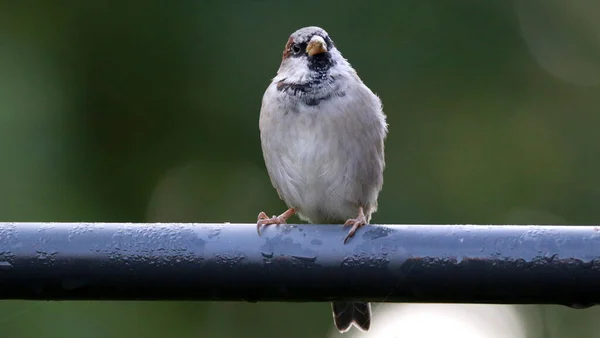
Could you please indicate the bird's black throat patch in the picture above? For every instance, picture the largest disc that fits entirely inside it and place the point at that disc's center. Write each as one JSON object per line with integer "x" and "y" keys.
{"x": 321, "y": 87}
{"x": 320, "y": 63}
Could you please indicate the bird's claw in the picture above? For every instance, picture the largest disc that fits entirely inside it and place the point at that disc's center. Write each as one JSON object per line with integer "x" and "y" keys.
{"x": 263, "y": 219}
{"x": 355, "y": 223}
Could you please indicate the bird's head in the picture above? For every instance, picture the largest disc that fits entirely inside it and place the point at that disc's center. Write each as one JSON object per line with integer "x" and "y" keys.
{"x": 310, "y": 54}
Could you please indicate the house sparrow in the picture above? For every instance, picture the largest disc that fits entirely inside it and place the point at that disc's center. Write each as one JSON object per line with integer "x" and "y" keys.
{"x": 322, "y": 133}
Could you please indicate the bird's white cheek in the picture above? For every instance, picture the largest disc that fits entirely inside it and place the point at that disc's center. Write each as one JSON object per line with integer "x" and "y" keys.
{"x": 294, "y": 70}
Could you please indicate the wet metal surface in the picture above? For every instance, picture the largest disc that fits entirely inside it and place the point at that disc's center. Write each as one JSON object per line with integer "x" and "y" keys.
{"x": 412, "y": 263}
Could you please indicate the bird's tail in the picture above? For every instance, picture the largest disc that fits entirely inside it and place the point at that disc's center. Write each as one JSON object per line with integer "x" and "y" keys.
{"x": 347, "y": 313}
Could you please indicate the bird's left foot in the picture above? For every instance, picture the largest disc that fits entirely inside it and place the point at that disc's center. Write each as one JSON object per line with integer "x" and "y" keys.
{"x": 355, "y": 223}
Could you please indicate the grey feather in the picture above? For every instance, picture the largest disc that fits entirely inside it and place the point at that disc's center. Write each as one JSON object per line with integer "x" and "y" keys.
{"x": 346, "y": 314}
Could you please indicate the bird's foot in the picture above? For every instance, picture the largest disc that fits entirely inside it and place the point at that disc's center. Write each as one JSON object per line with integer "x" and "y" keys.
{"x": 263, "y": 219}
{"x": 355, "y": 223}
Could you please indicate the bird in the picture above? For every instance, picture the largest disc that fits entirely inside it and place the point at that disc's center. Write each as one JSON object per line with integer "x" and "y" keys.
{"x": 322, "y": 133}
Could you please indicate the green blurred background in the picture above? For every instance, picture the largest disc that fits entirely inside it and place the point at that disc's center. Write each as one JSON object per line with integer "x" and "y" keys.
{"x": 148, "y": 111}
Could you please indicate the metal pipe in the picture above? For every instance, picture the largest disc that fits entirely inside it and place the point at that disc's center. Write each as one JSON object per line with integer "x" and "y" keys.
{"x": 504, "y": 264}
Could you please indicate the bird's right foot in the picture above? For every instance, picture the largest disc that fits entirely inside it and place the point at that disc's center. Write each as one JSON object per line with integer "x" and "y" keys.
{"x": 355, "y": 223}
{"x": 263, "y": 219}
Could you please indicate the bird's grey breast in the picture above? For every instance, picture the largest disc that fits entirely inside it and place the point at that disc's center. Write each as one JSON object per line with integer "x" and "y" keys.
{"x": 315, "y": 153}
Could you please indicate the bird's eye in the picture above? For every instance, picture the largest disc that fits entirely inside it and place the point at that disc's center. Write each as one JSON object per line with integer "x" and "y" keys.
{"x": 296, "y": 49}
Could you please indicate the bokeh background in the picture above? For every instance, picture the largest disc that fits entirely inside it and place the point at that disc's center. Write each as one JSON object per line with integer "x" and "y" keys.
{"x": 148, "y": 111}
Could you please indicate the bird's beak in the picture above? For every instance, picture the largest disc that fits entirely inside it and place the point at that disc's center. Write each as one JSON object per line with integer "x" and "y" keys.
{"x": 316, "y": 46}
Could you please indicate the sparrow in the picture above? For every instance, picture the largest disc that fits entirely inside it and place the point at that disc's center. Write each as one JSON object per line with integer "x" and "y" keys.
{"x": 322, "y": 134}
